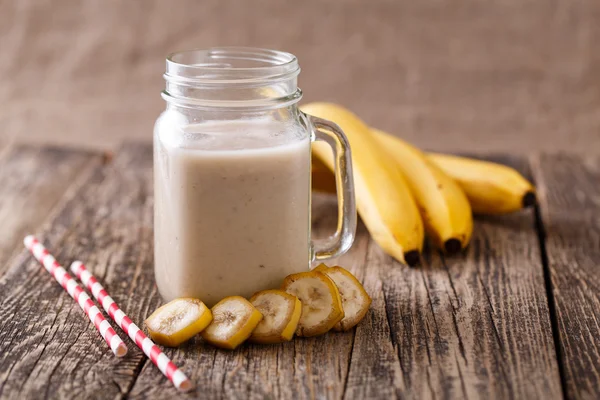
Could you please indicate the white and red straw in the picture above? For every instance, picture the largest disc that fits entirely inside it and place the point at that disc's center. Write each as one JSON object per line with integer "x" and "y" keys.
{"x": 77, "y": 293}
{"x": 166, "y": 366}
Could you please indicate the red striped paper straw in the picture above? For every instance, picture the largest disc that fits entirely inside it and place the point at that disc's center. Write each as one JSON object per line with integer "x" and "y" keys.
{"x": 151, "y": 350}
{"x": 77, "y": 293}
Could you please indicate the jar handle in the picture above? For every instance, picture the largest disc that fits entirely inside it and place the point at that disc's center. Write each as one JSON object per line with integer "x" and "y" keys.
{"x": 342, "y": 239}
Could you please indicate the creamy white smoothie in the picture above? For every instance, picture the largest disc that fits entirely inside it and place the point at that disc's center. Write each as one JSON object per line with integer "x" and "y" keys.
{"x": 232, "y": 208}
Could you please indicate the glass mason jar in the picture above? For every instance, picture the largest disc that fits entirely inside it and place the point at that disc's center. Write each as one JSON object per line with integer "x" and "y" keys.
{"x": 232, "y": 162}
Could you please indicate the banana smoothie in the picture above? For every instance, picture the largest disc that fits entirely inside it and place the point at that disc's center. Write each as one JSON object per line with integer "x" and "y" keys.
{"x": 232, "y": 208}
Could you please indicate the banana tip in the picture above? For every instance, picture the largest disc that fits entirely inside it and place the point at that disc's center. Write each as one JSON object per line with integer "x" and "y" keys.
{"x": 452, "y": 246}
{"x": 529, "y": 199}
{"x": 412, "y": 258}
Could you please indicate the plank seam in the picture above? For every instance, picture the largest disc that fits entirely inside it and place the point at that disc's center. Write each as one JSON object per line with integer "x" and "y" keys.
{"x": 136, "y": 375}
{"x": 349, "y": 363}
{"x": 364, "y": 265}
{"x": 541, "y": 234}
{"x": 392, "y": 336}
{"x": 461, "y": 345}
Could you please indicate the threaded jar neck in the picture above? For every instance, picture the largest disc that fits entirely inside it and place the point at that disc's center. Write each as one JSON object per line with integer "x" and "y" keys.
{"x": 232, "y": 78}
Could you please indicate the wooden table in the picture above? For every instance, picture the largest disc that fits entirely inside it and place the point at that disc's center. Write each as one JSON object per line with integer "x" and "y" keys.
{"x": 516, "y": 316}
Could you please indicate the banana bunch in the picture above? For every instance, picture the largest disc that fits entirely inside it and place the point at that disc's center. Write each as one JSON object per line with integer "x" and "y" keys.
{"x": 383, "y": 198}
{"x": 439, "y": 190}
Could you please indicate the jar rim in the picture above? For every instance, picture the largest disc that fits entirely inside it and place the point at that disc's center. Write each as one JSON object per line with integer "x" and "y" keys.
{"x": 232, "y": 78}
{"x": 230, "y": 65}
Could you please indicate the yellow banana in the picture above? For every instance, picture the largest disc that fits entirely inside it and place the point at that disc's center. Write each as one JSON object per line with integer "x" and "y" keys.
{"x": 490, "y": 187}
{"x": 444, "y": 207}
{"x": 323, "y": 179}
{"x": 383, "y": 198}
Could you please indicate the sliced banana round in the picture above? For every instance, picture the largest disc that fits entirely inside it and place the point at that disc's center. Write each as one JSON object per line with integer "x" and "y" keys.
{"x": 281, "y": 312}
{"x": 321, "y": 302}
{"x": 178, "y": 321}
{"x": 234, "y": 319}
{"x": 355, "y": 300}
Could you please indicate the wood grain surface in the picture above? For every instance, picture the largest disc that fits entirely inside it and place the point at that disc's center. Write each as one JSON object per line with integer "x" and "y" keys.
{"x": 454, "y": 328}
{"x": 48, "y": 347}
{"x": 465, "y": 326}
{"x": 32, "y": 181}
{"x": 505, "y": 75}
{"x": 570, "y": 203}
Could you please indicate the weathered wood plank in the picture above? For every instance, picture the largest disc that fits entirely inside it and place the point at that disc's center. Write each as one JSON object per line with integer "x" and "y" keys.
{"x": 32, "y": 180}
{"x": 471, "y": 326}
{"x": 302, "y": 369}
{"x": 375, "y": 371}
{"x": 47, "y": 345}
{"x": 466, "y": 327}
{"x": 569, "y": 188}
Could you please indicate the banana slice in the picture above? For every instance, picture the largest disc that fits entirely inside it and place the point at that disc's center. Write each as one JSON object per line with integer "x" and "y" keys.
{"x": 355, "y": 300}
{"x": 178, "y": 321}
{"x": 321, "y": 302}
{"x": 281, "y": 312}
{"x": 234, "y": 319}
